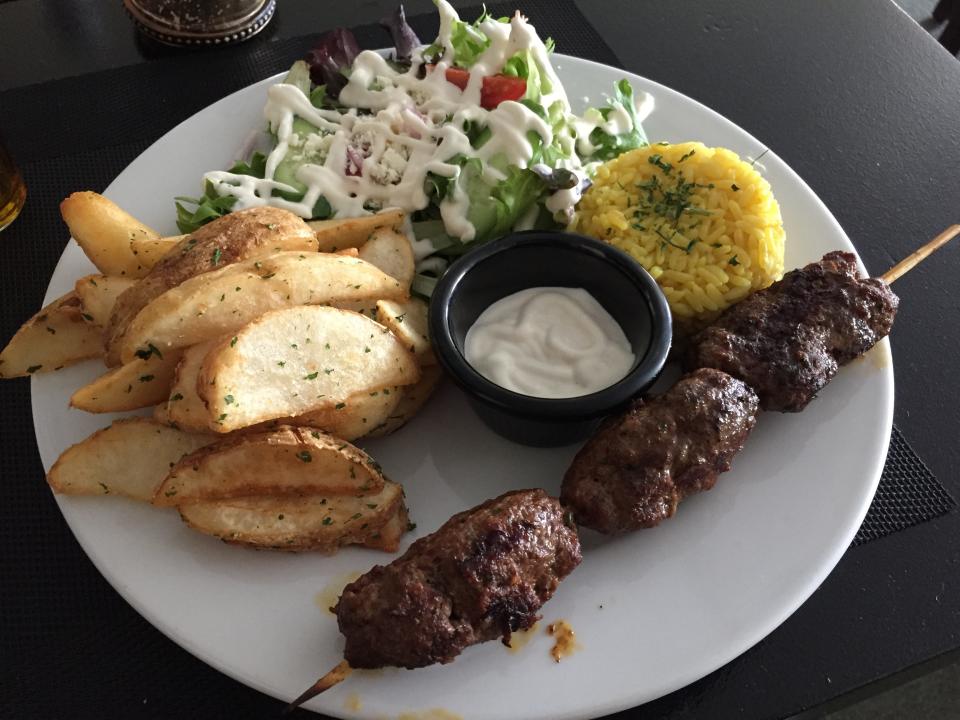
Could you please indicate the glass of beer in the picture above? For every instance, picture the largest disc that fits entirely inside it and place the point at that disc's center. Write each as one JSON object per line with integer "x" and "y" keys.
{"x": 12, "y": 190}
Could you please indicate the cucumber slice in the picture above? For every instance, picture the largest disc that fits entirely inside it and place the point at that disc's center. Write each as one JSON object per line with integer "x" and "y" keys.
{"x": 302, "y": 128}
{"x": 286, "y": 173}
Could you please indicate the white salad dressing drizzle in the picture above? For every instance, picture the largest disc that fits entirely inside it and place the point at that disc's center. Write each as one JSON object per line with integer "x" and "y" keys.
{"x": 400, "y": 127}
{"x": 560, "y": 200}
{"x": 549, "y": 342}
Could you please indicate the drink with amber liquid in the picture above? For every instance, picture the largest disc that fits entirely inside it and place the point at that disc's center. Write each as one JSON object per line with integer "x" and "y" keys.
{"x": 12, "y": 190}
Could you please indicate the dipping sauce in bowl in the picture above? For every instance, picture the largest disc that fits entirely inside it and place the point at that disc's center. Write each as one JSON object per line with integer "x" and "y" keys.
{"x": 549, "y": 342}
{"x": 534, "y": 383}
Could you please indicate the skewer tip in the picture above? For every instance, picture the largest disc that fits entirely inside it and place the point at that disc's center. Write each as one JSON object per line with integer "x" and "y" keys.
{"x": 914, "y": 259}
{"x": 335, "y": 676}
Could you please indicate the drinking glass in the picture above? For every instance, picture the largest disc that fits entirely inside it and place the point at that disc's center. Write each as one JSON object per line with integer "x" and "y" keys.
{"x": 12, "y": 190}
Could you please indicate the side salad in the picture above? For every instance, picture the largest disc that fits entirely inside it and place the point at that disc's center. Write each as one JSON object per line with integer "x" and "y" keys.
{"x": 472, "y": 135}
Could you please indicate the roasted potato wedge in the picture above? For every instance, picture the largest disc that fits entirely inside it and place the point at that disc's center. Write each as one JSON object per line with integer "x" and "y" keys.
{"x": 361, "y": 413}
{"x": 184, "y": 408}
{"x": 367, "y": 306}
{"x": 339, "y": 234}
{"x": 104, "y": 232}
{"x": 297, "y": 360}
{"x": 57, "y": 336}
{"x": 412, "y": 399}
{"x": 137, "y": 384}
{"x": 407, "y": 320}
{"x": 130, "y": 458}
{"x": 99, "y": 293}
{"x": 160, "y": 416}
{"x": 312, "y": 522}
{"x": 149, "y": 251}
{"x": 388, "y": 537}
{"x": 223, "y": 301}
{"x": 235, "y": 237}
{"x": 289, "y": 460}
{"x": 390, "y": 251}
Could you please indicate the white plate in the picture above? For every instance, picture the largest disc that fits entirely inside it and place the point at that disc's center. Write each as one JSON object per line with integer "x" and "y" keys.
{"x": 653, "y": 611}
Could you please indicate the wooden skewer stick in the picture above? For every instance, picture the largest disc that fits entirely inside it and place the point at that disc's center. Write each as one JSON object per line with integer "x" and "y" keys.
{"x": 335, "y": 676}
{"x": 914, "y": 259}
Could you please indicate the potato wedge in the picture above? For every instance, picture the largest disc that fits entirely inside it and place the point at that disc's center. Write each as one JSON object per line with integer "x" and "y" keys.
{"x": 313, "y": 522}
{"x": 184, "y": 408}
{"x": 361, "y": 413}
{"x": 235, "y": 237}
{"x": 296, "y": 360}
{"x": 390, "y": 251}
{"x": 388, "y": 537}
{"x": 130, "y": 458}
{"x": 223, "y": 301}
{"x": 407, "y": 320}
{"x": 341, "y": 233}
{"x": 57, "y": 336}
{"x": 149, "y": 251}
{"x": 160, "y": 415}
{"x": 412, "y": 399}
{"x": 136, "y": 384}
{"x": 289, "y": 460}
{"x": 367, "y": 306}
{"x": 99, "y": 293}
{"x": 104, "y": 231}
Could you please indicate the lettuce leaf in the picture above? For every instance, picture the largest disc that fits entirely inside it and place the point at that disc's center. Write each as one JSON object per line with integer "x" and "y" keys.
{"x": 299, "y": 76}
{"x": 209, "y": 206}
{"x": 610, "y": 146}
{"x": 495, "y": 209}
{"x": 523, "y": 65}
{"x": 405, "y": 40}
{"x": 468, "y": 43}
{"x": 330, "y": 60}
{"x": 256, "y": 166}
{"x": 556, "y": 116}
{"x": 466, "y": 39}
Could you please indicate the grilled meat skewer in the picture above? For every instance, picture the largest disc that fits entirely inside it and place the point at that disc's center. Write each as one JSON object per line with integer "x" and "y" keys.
{"x": 483, "y": 575}
{"x": 638, "y": 467}
{"x": 788, "y": 340}
{"x": 780, "y": 345}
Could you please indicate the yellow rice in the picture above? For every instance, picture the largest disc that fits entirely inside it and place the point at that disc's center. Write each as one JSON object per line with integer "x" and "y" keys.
{"x": 728, "y": 244}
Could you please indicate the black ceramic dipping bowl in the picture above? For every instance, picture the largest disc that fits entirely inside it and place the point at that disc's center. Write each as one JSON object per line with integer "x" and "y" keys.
{"x": 549, "y": 259}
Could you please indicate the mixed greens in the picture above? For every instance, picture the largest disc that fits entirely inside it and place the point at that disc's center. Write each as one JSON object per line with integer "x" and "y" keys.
{"x": 472, "y": 135}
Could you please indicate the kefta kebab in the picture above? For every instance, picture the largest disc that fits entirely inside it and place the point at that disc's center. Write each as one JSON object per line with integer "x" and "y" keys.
{"x": 779, "y": 346}
{"x": 789, "y": 340}
{"x": 638, "y": 467}
{"x": 487, "y": 571}
{"x": 483, "y": 575}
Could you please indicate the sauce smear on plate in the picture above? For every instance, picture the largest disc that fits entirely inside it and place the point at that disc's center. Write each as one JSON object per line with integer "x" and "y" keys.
{"x": 565, "y": 640}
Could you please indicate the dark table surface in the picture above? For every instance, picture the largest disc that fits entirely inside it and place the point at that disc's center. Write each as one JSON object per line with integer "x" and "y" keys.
{"x": 863, "y": 104}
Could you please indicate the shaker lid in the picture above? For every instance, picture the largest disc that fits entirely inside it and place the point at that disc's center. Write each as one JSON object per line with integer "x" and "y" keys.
{"x": 200, "y": 22}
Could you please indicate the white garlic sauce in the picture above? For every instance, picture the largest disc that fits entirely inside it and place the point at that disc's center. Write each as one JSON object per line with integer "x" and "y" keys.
{"x": 549, "y": 342}
{"x": 415, "y": 128}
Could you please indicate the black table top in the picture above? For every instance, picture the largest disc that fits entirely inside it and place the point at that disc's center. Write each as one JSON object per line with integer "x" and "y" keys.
{"x": 862, "y": 103}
